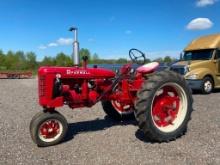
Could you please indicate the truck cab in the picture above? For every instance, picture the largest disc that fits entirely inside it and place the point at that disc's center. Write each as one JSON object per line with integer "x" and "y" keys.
{"x": 200, "y": 63}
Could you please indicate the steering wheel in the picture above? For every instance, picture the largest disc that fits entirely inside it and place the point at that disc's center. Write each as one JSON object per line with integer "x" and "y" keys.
{"x": 137, "y": 56}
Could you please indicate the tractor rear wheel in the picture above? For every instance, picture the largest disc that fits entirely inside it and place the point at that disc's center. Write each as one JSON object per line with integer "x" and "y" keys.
{"x": 48, "y": 128}
{"x": 163, "y": 106}
{"x": 116, "y": 111}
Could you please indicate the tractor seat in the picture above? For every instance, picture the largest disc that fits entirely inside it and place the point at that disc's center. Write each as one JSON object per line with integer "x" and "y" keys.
{"x": 148, "y": 68}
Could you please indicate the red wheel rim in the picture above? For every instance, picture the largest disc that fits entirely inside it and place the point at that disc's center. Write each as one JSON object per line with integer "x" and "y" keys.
{"x": 50, "y": 130}
{"x": 169, "y": 107}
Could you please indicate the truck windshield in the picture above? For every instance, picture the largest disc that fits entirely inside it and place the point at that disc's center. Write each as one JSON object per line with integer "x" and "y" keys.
{"x": 197, "y": 55}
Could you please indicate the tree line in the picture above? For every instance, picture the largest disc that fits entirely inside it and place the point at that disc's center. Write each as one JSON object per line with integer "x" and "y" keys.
{"x": 27, "y": 61}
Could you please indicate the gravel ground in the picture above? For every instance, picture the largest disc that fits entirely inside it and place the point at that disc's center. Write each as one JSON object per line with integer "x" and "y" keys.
{"x": 94, "y": 139}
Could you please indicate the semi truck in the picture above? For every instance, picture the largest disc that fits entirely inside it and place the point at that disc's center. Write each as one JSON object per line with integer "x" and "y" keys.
{"x": 200, "y": 63}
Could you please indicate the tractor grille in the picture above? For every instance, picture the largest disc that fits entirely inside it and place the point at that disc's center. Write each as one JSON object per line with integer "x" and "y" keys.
{"x": 42, "y": 86}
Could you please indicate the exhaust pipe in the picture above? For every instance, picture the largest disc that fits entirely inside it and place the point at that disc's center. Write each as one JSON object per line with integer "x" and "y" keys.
{"x": 75, "y": 54}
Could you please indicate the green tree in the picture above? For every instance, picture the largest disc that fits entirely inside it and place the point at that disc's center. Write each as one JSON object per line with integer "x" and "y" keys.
{"x": 31, "y": 62}
{"x": 159, "y": 59}
{"x": 2, "y": 60}
{"x": 167, "y": 59}
{"x": 95, "y": 59}
{"x": 48, "y": 61}
{"x": 85, "y": 52}
{"x": 20, "y": 61}
{"x": 121, "y": 61}
{"x": 63, "y": 60}
{"x": 147, "y": 60}
{"x": 10, "y": 61}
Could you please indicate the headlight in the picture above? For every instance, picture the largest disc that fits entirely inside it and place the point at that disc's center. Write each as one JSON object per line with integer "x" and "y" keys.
{"x": 192, "y": 76}
{"x": 186, "y": 69}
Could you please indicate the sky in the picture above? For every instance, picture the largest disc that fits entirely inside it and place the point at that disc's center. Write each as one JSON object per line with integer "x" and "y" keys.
{"x": 106, "y": 27}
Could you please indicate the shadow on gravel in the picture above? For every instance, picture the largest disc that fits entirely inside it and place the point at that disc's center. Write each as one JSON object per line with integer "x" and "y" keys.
{"x": 140, "y": 135}
{"x": 94, "y": 125}
{"x": 198, "y": 92}
{"x": 216, "y": 91}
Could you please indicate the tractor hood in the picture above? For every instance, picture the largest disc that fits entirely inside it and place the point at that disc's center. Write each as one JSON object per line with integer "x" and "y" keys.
{"x": 77, "y": 72}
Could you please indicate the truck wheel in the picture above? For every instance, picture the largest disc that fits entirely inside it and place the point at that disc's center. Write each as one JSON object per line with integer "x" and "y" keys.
{"x": 48, "y": 128}
{"x": 163, "y": 106}
{"x": 116, "y": 111}
{"x": 207, "y": 85}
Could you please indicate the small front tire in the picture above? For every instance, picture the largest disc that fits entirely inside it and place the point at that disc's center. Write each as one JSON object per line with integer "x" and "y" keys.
{"x": 48, "y": 128}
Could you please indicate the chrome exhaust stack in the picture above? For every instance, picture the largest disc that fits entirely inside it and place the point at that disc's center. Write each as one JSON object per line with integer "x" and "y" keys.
{"x": 75, "y": 54}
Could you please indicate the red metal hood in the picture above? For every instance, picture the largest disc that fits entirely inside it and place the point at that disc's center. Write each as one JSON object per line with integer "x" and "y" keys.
{"x": 77, "y": 72}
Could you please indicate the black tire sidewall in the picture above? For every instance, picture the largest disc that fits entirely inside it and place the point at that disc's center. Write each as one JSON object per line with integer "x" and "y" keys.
{"x": 146, "y": 96}
{"x": 182, "y": 126}
{"x": 42, "y": 118}
{"x": 205, "y": 79}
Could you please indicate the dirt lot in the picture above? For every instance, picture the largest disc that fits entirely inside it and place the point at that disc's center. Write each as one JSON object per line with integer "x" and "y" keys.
{"x": 95, "y": 139}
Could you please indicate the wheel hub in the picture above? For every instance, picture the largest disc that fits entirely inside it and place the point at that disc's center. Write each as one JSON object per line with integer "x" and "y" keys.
{"x": 208, "y": 86}
{"x": 165, "y": 107}
{"x": 50, "y": 129}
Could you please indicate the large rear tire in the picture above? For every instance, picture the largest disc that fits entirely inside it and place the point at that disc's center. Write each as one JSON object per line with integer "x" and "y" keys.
{"x": 163, "y": 106}
{"x": 48, "y": 128}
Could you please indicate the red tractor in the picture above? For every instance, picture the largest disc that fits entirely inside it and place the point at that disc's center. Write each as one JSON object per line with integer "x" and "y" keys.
{"x": 161, "y": 102}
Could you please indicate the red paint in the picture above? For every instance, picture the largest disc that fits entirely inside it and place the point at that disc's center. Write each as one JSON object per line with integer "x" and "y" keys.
{"x": 49, "y": 129}
{"x": 165, "y": 107}
{"x": 77, "y": 72}
{"x": 82, "y": 86}
{"x": 93, "y": 95}
{"x": 57, "y": 102}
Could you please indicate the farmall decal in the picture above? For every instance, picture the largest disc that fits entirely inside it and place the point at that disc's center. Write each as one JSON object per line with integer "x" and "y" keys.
{"x": 77, "y": 72}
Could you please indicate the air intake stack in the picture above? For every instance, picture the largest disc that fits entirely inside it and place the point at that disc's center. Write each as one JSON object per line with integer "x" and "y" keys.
{"x": 75, "y": 46}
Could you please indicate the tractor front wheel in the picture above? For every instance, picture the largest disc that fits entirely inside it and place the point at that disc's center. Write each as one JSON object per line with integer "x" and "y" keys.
{"x": 48, "y": 128}
{"x": 163, "y": 106}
